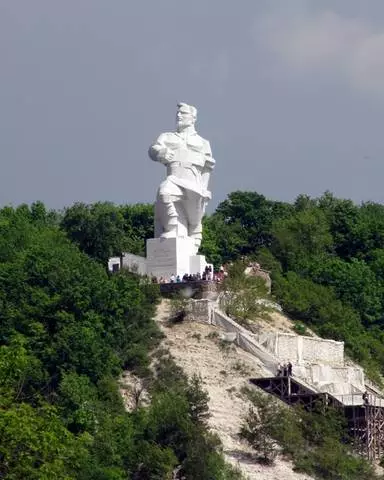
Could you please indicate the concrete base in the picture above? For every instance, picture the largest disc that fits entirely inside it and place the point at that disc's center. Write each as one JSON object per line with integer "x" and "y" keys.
{"x": 165, "y": 257}
{"x": 173, "y": 256}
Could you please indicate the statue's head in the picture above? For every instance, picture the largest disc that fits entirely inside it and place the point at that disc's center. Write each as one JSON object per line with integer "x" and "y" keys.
{"x": 185, "y": 116}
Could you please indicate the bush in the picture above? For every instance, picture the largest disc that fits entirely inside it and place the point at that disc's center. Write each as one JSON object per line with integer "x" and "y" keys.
{"x": 300, "y": 328}
{"x": 258, "y": 426}
{"x": 256, "y": 431}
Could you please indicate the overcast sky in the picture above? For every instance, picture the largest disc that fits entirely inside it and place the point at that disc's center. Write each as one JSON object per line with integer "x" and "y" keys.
{"x": 289, "y": 93}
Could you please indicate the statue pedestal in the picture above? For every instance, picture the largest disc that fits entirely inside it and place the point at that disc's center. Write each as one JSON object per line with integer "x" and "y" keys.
{"x": 173, "y": 256}
{"x": 165, "y": 257}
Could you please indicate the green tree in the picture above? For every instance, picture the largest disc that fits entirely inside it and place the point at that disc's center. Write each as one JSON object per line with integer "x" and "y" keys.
{"x": 97, "y": 229}
{"x": 313, "y": 440}
{"x": 243, "y": 296}
{"x": 300, "y": 237}
{"x": 241, "y": 225}
{"x": 67, "y": 329}
{"x": 103, "y": 230}
{"x": 353, "y": 281}
{"x": 258, "y": 426}
{"x": 35, "y": 445}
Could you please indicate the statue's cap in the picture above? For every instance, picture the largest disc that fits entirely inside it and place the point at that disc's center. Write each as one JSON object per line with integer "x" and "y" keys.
{"x": 184, "y": 107}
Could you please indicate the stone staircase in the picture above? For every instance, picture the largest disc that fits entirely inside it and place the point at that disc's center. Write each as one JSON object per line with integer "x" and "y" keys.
{"x": 318, "y": 363}
{"x": 319, "y": 375}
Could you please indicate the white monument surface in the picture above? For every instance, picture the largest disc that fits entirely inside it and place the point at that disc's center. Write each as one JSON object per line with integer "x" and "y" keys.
{"x": 181, "y": 200}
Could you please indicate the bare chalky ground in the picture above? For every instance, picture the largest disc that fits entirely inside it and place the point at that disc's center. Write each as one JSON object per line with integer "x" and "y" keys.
{"x": 224, "y": 372}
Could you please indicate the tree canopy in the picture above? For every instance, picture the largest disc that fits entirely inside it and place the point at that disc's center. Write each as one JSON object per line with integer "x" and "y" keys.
{"x": 67, "y": 329}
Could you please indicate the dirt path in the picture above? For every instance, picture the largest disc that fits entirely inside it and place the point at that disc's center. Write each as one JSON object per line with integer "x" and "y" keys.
{"x": 197, "y": 349}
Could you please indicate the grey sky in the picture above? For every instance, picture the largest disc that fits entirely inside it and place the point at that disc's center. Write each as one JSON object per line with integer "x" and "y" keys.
{"x": 290, "y": 94}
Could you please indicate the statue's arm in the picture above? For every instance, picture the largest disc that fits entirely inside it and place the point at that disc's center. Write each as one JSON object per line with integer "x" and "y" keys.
{"x": 209, "y": 164}
{"x": 159, "y": 152}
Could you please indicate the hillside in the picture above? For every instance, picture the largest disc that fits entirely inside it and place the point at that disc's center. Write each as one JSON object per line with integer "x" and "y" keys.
{"x": 196, "y": 348}
{"x": 67, "y": 331}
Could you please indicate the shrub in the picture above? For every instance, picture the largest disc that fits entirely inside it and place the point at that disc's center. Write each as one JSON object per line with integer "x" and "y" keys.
{"x": 256, "y": 431}
{"x": 300, "y": 329}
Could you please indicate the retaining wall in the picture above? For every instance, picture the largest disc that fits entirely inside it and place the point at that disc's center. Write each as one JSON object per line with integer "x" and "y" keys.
{"x": 204, "y": 311}
{"x": 332, "y": 379}
{"x": 300, "y": 349}
{"x": 200, "y": 311}
{"x": 135, "y": 263}
{"x": 245, "y": 340}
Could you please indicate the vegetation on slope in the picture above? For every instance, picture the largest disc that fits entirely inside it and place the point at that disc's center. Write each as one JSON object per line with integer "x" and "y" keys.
{"x": 326, "y": 256}
{"x": 67, "y": 330}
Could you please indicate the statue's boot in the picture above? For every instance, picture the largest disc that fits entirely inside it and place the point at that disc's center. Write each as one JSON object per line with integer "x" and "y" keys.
{"x": 170, "y": 229}
{"x": 170, "y": 225}
{"x": 196, "y": 233}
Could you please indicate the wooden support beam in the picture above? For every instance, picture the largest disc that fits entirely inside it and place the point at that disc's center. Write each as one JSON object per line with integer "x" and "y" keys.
{"x": 365, "y": 422}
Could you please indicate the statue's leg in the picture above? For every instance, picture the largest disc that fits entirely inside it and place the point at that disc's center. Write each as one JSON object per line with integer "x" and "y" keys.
{"x": 196, "y": 207}
{"x": 166, "y": 216}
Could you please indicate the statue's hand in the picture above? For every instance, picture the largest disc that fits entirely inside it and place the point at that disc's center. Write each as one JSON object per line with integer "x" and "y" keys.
{"x": 168, "y": 155}
{"x": 207, "y": 195}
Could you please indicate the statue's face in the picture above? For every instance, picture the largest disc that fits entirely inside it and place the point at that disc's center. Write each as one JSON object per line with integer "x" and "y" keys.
{"x": 184, "y": 119}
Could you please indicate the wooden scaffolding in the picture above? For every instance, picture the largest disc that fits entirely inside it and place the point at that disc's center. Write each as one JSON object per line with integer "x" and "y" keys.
{"x": 365, "y": 421}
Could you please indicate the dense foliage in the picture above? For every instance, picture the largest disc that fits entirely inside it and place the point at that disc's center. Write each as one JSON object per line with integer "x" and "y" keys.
{"x": 103, "y": 230}
{"x": 326, "y": 256}
{"x": 67, "y": 329}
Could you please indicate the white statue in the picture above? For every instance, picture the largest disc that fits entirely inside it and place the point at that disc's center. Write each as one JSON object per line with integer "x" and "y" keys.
{"x": 183, "y": 196}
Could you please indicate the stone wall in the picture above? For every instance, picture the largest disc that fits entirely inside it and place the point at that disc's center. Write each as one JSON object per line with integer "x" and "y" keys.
{"x": 301, "y": 349}
{"x": 319, "y": 349}
{"x": 197, "y": 290}
{"x": 316, "y": 361}
{"x": 200, "y": 311}
{"x": 246, "y": 340}
{"x": 114, "y": 264}
{"x": 135, "y": 263}
{"x": 204, "y": 311}
{"x": 332, "y": 379}
{"x": 287, "y": 348}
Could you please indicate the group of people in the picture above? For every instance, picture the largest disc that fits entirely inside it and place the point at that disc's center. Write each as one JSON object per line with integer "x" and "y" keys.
{"x": 284, "y": 370}
{"x": 208, "y": 275}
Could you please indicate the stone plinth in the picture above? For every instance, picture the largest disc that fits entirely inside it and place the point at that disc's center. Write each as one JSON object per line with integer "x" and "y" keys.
{"x": 173, "y": 256}
{"x": 165, "y": 257}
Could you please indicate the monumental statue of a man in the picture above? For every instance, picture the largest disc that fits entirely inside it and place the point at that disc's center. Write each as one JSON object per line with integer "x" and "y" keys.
{"x": 182, "y": 197}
